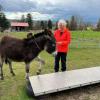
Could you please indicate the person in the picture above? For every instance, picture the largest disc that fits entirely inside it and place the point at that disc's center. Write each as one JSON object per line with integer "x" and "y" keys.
{"x": 63, "y": 37}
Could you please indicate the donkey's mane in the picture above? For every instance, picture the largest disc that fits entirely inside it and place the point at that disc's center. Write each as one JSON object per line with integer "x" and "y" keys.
{"x": 39, "y": 34}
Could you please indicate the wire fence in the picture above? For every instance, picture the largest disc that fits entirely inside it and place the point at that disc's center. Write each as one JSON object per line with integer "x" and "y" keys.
{"x": 85, "y": 43}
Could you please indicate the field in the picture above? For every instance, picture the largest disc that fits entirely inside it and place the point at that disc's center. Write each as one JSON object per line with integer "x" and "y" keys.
{"x": 84, "y": 52}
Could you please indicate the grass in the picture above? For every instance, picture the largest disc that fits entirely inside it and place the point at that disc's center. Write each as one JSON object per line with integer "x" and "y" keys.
{"x": 81, "y": 56}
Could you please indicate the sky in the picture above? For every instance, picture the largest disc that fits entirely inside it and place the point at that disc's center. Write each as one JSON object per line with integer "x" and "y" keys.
{"x": 88, "y": 10}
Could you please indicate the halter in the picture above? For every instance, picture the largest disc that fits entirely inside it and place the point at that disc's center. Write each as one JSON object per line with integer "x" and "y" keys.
{"x": 36, "y": 43}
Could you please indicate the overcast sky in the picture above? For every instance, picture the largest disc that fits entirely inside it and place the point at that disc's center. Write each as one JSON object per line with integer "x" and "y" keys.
{"x": 52, "y": 9}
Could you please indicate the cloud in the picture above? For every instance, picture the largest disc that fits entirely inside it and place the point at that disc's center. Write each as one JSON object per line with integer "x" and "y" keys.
{"x": 35, "y": 15}
{"x": 89, "y": 9}
{"x": 17, "y": 5}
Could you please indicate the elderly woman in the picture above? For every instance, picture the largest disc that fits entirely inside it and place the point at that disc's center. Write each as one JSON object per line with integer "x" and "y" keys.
{"x": 62, "y": 36}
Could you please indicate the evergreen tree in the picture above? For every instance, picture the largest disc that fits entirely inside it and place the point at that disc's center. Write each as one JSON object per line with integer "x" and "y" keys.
{"x": 49, "y": 24}
{"x": 43, "y": 24}
{"x": 56, "y": 25}
{"x": 68, "y": 24}
{"x": 29, "y": 20}
{"x": 73, "y": 23}
{"x": 4, "y": 23}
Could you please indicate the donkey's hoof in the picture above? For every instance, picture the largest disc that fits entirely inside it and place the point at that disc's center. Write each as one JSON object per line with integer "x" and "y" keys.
{"x": 13, "y": 74}
{"x": 27, "y": 78}
{"x": 1, "y": 78}
{"x": 38, "y": 73}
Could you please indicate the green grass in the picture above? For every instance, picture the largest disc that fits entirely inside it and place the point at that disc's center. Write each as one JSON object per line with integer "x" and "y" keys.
{"x": 13, "y": 88}
{"x": 86, "y": 35}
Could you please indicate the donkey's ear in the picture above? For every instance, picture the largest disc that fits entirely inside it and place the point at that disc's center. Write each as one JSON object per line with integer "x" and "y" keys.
{"x": 47, "y": 29}
{"x": 48, "y": 32}
{"x": 29, "y": 35}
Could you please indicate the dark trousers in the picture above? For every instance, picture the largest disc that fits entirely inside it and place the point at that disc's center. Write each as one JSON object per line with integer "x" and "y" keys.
{"x": 62, "y": 56}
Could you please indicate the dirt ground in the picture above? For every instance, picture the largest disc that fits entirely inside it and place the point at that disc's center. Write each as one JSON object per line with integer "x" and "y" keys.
{"x": 84, "y": 93}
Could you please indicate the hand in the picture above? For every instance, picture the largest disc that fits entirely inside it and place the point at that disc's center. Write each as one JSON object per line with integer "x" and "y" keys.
{"x": 59, "y": 43}
{"x": 54, "y": 53}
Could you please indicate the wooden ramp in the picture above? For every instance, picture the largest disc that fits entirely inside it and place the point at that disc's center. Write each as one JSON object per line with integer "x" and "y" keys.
{"x": 55, "y": 82}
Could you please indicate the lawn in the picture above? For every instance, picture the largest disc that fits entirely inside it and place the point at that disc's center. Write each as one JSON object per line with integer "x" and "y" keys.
{"x": 84, "y": 52}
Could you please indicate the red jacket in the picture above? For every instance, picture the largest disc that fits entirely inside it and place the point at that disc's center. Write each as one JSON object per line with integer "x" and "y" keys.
{"x": 65, "y": 39}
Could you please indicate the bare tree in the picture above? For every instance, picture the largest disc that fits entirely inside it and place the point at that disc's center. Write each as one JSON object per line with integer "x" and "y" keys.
{"x": 73, "y": 23}
{"x": 23, "y": 19}
{"x": 1, "y": 8}
{"x": 98, "y": 25}
{"x": 81, "y": 24}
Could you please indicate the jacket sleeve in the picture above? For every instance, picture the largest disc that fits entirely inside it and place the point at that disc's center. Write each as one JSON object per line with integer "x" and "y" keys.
{"x": 68, "y": 39}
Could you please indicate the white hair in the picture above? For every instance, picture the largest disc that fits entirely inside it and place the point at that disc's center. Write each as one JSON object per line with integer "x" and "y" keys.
{"x": 62, "y": 21}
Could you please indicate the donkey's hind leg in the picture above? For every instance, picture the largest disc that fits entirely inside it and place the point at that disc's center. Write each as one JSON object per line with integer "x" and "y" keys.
{"x": 10, "y": 67}
{"x": 27, "y": 68}
{"x": 1, "y": 69}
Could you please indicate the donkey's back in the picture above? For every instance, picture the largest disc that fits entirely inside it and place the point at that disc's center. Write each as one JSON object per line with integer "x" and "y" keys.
{"x": 11, "y": 47}
{"x": 8, "y": 40}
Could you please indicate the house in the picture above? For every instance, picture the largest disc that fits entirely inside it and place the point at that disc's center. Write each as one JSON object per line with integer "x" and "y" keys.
{"x": 19, "y": 26}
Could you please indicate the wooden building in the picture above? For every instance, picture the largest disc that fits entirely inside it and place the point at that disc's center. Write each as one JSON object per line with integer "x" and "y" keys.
{"x": 19, "y": 26}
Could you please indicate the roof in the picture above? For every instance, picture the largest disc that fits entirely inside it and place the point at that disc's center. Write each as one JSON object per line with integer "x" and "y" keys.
{"x": 19, "y": 24}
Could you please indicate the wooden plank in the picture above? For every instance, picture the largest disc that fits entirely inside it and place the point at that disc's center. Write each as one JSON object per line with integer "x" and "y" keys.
{"x": 54, "y": 82}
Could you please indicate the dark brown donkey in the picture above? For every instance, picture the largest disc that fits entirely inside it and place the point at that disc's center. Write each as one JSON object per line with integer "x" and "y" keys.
{"x": 24, "y": 50}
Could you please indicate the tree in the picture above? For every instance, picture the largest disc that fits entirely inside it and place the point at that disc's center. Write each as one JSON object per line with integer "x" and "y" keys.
{"x": 4, "y": 23}
{"x": 73, "y": 23}
{"x": 29, "y": 20}
{"x": 68, "y": 24}
{"x": 23, "y": 19}
{"x": 56, "y": 25}
{"x": 43, "y": 24}
{"x": 80, "y": 23}
{"x": 49, "y": 24}
{"x": 1, "y": 8}
{"x": 98, "y": 25}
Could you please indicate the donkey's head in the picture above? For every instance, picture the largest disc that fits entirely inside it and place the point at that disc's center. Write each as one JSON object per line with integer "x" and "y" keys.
{"x": 43, "y": 40}
{"x": 50, "y": 43}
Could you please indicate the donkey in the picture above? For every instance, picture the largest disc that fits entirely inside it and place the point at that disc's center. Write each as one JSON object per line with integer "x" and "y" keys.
{"x": 24, "y": 50}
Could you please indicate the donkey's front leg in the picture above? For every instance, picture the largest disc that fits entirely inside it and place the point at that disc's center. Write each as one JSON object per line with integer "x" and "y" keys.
{"x": 39, "y": 68}
{"x": 41, "y": 62}
{"x": 27, "y": 68}
{"x": 38, "y": 58}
